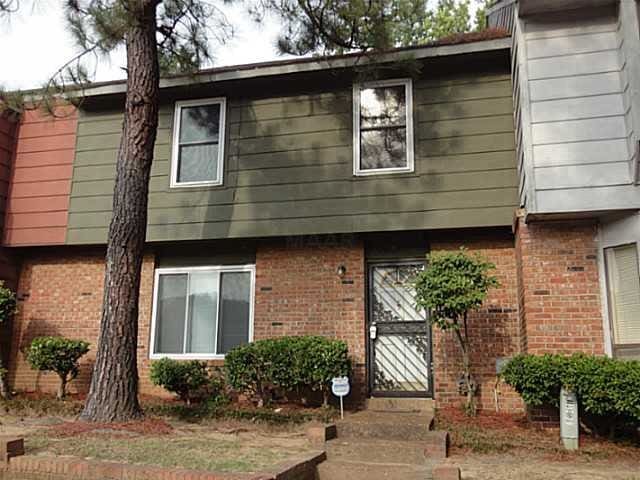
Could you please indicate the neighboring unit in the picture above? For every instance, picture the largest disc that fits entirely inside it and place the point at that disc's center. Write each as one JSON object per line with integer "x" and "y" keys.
{"x": 576, "y": 74}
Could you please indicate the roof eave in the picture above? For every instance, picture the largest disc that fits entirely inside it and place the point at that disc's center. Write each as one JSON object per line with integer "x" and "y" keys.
{"x": 291, "y": 67}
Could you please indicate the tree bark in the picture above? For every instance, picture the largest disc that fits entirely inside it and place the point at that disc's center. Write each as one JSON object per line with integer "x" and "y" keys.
{"x": 5, "y": 393}
{"x": 62, "y": 389}
{"x": 470, "y": 406}
{"x": 113, "y": 395}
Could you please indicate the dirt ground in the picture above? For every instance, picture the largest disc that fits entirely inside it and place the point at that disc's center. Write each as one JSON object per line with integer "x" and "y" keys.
{"x": 507, "y": 447}
{"x": 487, "y": 447}
{"x": 518, "y": 467}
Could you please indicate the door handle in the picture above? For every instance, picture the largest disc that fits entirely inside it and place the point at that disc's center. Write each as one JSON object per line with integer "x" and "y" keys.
{"x": 373, "y": 331}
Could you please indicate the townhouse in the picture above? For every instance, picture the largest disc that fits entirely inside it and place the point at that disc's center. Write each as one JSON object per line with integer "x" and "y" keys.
{"x": 300, "y": 196}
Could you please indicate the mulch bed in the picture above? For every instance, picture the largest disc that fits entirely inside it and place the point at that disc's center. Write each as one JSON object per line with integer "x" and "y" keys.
{"x": 147, "y": 426}
{"x": 491, "y": 432}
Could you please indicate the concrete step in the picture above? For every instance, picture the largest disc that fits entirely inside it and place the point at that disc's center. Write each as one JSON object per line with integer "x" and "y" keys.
{"x": 409, "y": 405}
{"x": 384, "y": 425}
{"x": 341, "y": 470}
{"x": 376, "y": 451}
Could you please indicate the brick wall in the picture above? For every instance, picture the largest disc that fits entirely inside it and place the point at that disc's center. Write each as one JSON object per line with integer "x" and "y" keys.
{"x": 60, "y": 293}
{"x": 548, "y": 301}
{"x": 493, "y": 330}
{"x": 560, "y": 307}
{"x": 299, "y": 292}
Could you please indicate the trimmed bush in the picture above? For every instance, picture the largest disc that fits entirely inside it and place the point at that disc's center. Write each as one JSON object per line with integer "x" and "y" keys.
{"x": 59, "y": 355}
{"x": 536, "y": 378}
{"x": 608, "y": 390}
{"x": 286, "y": 363}
{"x": 190, "y": 380}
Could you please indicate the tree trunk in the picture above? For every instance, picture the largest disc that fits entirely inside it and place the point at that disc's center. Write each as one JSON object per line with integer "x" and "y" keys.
{"x": 5, "y": 393}
{"x": 470, "y": 406}
{"x": 113, "y": 395}
{"x": 62, "y": 389}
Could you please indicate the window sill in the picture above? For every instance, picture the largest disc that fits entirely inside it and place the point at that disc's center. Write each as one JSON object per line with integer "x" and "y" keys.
{"x": 386, "y": 171}
{"x": 196, "y": 185}
{"x": 187, "y": 356}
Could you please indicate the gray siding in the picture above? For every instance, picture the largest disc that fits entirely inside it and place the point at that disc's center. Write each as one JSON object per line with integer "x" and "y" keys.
{"x": 288, "y": 169}
{"x": 578, "y": 120}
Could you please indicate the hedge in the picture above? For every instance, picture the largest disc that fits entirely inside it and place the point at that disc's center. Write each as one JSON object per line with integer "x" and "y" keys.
{"x": 608, "y": 390}
{"x": 286, "y": 363}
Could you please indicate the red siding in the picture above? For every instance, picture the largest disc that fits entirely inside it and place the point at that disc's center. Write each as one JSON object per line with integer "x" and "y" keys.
{"x": 38, "y": 202}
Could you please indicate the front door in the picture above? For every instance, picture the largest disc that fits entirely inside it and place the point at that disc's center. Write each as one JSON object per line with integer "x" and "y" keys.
{"x": 399, "y": 336}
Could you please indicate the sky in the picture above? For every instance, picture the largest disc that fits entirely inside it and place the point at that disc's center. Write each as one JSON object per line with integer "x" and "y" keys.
{"x": 34, "y": 44}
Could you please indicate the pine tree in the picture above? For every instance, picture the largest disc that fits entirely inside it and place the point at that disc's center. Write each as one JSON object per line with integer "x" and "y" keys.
{"x": 340, "y": 26}
{"x": 172, "y": 35}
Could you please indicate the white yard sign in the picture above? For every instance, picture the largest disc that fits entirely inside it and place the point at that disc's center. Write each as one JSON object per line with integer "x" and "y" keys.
{"x": 340, "y": 388}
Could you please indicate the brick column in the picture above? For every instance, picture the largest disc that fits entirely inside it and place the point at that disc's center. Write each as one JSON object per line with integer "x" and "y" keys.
{"x": 559, "y": 288}
{"x": 493, "y": 329}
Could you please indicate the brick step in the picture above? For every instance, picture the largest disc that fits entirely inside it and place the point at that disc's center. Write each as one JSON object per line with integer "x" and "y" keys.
{"x": 377, "y": 451}
{"x": 390, "y": 426}
{"x": 410, "y": 405}
{"x": 342, "y": 470}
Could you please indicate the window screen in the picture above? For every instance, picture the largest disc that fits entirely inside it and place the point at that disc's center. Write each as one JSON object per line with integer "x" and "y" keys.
{"x": 623, "y": 282}
{"x": 202, "y": 312}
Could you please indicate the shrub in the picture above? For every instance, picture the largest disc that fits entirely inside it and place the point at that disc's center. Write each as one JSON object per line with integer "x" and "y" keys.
{"x": 7, "y": 303}
{"x": 59, "y": 355}
{"x": 287, "y": 363}
{"x": 536, "y": 378}
{"x": 7, "y": 308}
{"x": 608, "y": 390}
{"x": 316, "y": 360}
{"x": 189, "y": 380}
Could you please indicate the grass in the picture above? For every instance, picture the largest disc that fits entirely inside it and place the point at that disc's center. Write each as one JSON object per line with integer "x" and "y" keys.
{"x": 200, "y": 452}
{"x": 211, "y": 436}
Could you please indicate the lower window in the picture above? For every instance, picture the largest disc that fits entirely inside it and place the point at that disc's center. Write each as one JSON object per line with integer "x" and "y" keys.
{"x": 623, "y": 284}
{"x": 202, "y": 312}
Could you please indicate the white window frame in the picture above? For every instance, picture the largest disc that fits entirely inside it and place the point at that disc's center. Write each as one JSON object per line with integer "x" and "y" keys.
{"x": 408, "y": 90}
{"x": 175, "y": 146}
{"x": 182, "y": 270}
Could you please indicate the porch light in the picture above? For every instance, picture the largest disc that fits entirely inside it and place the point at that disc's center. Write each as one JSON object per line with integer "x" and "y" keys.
{"x": 342, "y": 271}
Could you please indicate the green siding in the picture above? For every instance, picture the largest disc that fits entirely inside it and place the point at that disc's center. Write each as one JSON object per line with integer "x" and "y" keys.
{"x": 288, "y": 169}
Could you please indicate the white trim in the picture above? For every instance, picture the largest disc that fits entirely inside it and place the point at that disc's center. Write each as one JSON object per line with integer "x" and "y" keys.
{"x": 408, "y": 90}
{"x": 604, "y": 295}
{"x": 175, "y": 142}
{"x": 214, "y": 268}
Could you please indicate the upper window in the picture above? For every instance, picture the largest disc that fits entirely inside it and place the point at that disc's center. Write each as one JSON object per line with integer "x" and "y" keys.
{"x": 623, "y": 282}
{"x": 198, "y": 143}
{"x": 383, "y": 127}
{"x": 202, "y": 312}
